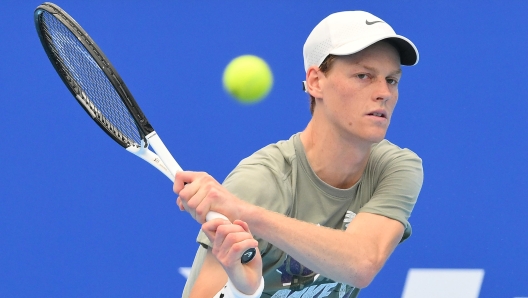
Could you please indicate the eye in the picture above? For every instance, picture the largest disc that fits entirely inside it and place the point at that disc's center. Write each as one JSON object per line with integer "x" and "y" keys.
{"x": 392, "y": 81}
{"x": 362, "y": 76}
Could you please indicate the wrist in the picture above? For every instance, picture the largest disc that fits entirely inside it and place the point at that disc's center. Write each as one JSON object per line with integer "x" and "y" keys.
{"x": 230, "y": 291}
{"x": 248, "y": 212}
{"x": 254, "y": 215}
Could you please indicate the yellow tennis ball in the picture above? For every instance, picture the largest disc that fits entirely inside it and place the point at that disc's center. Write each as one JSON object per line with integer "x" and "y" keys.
{"x": 248, "y": 78}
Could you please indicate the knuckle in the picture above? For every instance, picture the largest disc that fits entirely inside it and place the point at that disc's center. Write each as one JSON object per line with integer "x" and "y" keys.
{"x": 222, "y": 231}
{"x": 207, "y": 186}
{"x": 200, "y": 211}
{"x": 201, "y": 176}
{"x": 183, "y": 194}
{"x": 208, "y": 180}
{"x": 231, "y": 238}
{"x": 192, "y": 204}
{"x": 215, "y": 250}
{"x": 215, "y": 192}
{"x": 237, "y": 248}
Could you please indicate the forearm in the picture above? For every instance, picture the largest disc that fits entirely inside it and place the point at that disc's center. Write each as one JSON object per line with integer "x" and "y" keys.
{"x": 344, "y": 256}
{"x": 211, "y": 279}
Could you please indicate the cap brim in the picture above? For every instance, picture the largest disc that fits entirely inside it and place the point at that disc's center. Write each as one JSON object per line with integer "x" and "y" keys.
{"x": 408, "y": 52}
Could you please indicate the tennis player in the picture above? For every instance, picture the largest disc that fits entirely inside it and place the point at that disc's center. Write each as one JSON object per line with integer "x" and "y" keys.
{"x": 327, "y": 207}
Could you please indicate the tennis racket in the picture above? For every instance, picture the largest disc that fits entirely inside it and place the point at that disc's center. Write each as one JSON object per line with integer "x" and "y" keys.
{"x": 99, "y": 89}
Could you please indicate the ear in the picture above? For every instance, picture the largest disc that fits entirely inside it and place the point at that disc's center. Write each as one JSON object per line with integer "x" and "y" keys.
{"x": 313, "y": 81}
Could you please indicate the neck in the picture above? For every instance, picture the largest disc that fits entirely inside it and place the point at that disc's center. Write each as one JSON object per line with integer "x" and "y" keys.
{"x": 337, "y": 161}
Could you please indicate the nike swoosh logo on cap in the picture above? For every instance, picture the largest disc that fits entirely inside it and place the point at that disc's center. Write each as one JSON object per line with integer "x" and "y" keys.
{"x": 370, "y": 23}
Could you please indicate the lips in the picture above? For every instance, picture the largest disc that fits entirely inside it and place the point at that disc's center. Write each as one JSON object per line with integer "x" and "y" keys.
{"x": 378, "y": 113}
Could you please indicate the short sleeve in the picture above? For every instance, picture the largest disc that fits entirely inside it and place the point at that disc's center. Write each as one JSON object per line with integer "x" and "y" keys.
{"x": 400, "y": 181}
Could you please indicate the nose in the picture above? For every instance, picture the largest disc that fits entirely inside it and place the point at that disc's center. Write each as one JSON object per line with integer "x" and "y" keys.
{"x": 383, "y": 91}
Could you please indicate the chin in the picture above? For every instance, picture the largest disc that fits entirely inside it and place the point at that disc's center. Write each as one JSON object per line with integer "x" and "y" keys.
{"x": 376, "y": 137}
{"x": 377, "y": 140}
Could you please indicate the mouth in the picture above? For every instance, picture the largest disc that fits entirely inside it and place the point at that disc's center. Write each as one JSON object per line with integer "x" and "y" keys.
{"x": 379, "y": 113}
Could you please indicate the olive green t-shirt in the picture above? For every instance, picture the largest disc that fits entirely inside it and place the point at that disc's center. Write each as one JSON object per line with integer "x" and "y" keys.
{"x": 279, "y": 178}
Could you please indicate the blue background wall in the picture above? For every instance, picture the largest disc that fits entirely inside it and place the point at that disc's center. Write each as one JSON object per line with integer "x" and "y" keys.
{"x": 80, "y": 217}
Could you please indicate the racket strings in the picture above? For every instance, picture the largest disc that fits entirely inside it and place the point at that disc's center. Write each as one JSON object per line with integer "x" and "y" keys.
{"x": 97, "y": 92}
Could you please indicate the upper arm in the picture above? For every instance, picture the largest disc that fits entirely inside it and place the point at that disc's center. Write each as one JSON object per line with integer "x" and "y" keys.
{"x": 211, "y": 278}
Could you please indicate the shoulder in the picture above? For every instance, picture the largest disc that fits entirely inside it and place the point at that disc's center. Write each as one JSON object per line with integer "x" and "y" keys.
{"x": 393, "y": 172}
{"x": 276, "y": 154}
{"x": 275, "y": 159}
{"x": 385, "y": 155}
{"x": 385, "y": 150}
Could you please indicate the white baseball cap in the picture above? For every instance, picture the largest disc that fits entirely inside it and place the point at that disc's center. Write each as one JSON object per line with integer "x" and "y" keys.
{"x": 348, "y": 32}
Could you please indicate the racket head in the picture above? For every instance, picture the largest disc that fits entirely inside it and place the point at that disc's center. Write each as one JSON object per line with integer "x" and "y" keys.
{"x": 90, "y": 77}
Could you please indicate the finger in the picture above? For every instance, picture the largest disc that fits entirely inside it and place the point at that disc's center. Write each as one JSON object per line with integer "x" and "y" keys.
{"x": 178, "y": 182}
{"x": 224, "y": 230}
{"x": 240, "y": 247}
{"x": 190, "y": 176}
{"x": 234, "y": 246}
{"x": 180, "y": 204}
{"x": 228, "y": 235}
{"x": 192, "y": 197}
{"x": 203, "y": 198}
{"x": 242, "y": 224}
{"x": 210, "y": 227}
{"x": 241, "y": 237}
{"x": 188, "y": 190}
{"x": 192, "y": 182}
{"x": 185, "y": 176}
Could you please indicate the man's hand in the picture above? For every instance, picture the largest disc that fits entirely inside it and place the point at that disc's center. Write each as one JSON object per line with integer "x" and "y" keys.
{"x": 200, "y": 193}
{"x": 230, "y": 241}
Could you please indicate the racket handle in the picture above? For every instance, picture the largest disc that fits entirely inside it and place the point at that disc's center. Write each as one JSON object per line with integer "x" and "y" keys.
{"x": 248, "y": 254}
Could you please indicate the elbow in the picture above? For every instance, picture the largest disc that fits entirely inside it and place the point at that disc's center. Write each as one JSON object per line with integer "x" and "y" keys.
{"x": 363, "y": 281}
{"x": 366, "y": 273}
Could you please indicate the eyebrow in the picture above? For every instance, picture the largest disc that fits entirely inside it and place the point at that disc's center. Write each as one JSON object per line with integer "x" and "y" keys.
{"x": 396, "y": 72}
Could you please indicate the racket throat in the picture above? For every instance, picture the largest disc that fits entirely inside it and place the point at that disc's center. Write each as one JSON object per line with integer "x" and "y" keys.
{"x": 164, "y": 154}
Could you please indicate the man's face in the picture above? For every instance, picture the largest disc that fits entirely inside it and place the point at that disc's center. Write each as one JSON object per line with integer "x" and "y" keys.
{"x": 360, "y": 91}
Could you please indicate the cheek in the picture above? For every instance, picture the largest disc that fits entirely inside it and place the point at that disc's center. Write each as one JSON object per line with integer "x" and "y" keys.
{"x": 338, "y": 84}
{"x": 338, "y": 98}
{"x": 392, "y": 103}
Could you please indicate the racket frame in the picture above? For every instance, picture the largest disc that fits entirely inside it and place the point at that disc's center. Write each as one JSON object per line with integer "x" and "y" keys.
{"x": 143, "y": 125}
